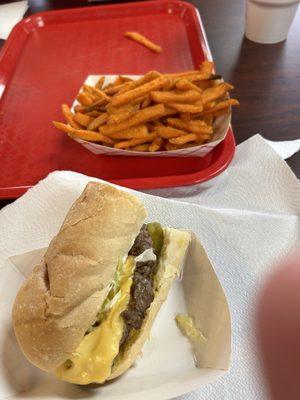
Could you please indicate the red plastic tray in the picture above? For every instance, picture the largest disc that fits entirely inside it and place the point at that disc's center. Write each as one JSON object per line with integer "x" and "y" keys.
{"x": 47, "y": 57}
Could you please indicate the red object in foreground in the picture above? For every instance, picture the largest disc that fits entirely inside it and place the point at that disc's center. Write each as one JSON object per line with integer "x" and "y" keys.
{"x": 48, "y": 56}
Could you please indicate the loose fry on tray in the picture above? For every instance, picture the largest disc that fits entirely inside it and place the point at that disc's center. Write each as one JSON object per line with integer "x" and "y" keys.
{"x": 190, "y": 137}
{"x": 190, "y": 108}
{"x": 69, "y": 116}
{"x": 126, "y": 97}
{"x": 167, "y": 132}
{"x": 155, "y": 145}
{"x": 97, "y": 122}
{"x": 100, "y": 82}
{"x": 134, "y": 142}
{"x": 140, "y": 117}
{"x": 140, "y": 147}
{"x": 82, "y": 119}
{"x": 132, "y": 133}
{"x": 144, "y": 41}
{"x": 172, "y": 97}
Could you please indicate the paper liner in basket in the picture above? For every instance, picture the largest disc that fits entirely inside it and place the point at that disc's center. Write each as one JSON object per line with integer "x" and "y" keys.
{"x": 221, "y": 126}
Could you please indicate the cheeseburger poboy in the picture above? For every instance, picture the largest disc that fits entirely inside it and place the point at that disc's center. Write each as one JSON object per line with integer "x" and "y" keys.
{"x": 86, "y": 310}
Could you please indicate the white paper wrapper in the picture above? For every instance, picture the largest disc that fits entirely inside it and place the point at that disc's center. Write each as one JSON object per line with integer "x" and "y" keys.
{"x": 221, "y": 127}
{"x": 167, "y": 367}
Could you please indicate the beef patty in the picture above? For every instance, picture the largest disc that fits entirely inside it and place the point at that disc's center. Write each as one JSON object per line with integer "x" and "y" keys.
{"x": 141, "y": 293}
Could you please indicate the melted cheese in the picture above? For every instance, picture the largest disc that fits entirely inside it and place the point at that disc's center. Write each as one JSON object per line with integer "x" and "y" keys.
{"x": 93, "y": 359}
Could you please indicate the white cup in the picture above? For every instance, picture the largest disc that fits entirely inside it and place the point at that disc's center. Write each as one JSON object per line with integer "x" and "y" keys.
{"x": 269, "y": 21}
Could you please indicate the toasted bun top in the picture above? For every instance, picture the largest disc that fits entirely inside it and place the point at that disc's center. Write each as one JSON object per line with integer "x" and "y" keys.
{"x": 60, "y": 299}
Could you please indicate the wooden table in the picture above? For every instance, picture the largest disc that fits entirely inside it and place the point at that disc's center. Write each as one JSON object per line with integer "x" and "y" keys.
{"x": 266, "y": 77}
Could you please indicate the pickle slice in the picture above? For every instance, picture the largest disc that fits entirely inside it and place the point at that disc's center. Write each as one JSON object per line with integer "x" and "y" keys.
{"x": 157, "y": 235}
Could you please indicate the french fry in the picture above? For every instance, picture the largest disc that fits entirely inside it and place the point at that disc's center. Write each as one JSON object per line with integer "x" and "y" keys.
{"x": 210, "y": 119}
{"x": 146, "y": 102}
{"x": 215, "y": 114}
{"x": 115, "y": 89}
{"x": 220, "y": 106}
{"x": 121, "y": 116}
{"x": 194, "y": 127}
{"x": 156, "y": 122}
{"x": 190, "y": 137}
{"x": 82, "y": 134}
{"x": 172, "y": 97}
{"x": 198, "y": 127}
{"x": 177, "y": 123}
{"x": 190, "y": 108}
{"x": 69, "y": 116}
{"x": 118, "y": 81}
{"x": 132, "y": 133}
{"x": 100, "y": 82}
{"x": 80, "y": 108}
{"x": 171, "y": 146}
{"x": 95, "y": 106}
{"x": 140, "y": 147}
{"x": 202, "y": 84}
{"x": 138, "y": 101}
{"x": 91, "y": 136}
{"x": 169, "y": 111}
{"x": 167, "y": 132}
{"x": 139, "y": 118}
{"x": 148, "y": 77}
{"x": 137, "y": 37}
{"x": 184, "y": 84}
{"x": 135, "y": 142}
{"x": 82, "y": 119}
{"x": 93, "y": 114}
{"x": 84, "y": 99}
{"x": 125, "y": 78}
{"x": 127, "y": 97}
{"x": 96, "y": 92}
{"x": 215, "y": 92}
{"x": 155, "y": 145}
{"x": 97, "y": 122}
{"x": 185, "y": 116}
{"x": 63, "y": 127}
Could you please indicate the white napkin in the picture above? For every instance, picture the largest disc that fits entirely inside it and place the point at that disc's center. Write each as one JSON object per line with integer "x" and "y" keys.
{"x": 10, "y": 14}
{"x": 247, "y": 223}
